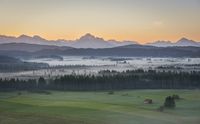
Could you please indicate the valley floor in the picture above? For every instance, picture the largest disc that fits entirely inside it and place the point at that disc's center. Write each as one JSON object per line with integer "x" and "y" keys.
{"x": 120, "y": 107}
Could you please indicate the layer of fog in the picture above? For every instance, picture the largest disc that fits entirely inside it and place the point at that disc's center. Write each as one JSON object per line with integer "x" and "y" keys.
{"x": 92, "y": 65}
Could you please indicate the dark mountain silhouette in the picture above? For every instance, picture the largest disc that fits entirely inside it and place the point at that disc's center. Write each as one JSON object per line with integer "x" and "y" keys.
{"x": 28, "y": 47}
{"x": 129, "y": 50}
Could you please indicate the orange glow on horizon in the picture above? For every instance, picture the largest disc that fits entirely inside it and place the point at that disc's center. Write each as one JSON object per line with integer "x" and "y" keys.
{"x": 118, "y": 37}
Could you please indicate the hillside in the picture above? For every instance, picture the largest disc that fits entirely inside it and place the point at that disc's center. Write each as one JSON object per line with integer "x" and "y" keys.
{"x": 9, "y": 64}
{"x": 28, "y": 50}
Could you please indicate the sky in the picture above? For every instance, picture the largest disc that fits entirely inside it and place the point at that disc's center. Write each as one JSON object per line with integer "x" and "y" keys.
{"x": 137, "y": 20}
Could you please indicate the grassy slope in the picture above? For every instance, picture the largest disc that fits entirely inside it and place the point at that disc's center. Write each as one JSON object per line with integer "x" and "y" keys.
{"x": 98, "y": 108}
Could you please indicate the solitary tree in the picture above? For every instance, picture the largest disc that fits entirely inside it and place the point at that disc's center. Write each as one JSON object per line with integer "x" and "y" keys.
{"x": 169, "y": 102}
{"x": 41, "y": 83}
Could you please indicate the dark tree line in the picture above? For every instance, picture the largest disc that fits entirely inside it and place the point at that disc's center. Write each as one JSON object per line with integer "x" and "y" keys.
{"x": 109, "y": 80}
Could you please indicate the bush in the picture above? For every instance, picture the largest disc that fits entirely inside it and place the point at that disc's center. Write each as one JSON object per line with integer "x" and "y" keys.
{"x": 126, "y": 94}
{"x": 19, "y": 93}
{"x": 40, "y": 92}
{"x": 111, "y": 92}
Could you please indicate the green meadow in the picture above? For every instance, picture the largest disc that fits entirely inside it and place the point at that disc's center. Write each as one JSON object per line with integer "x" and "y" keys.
{"x": 121, "y": 107}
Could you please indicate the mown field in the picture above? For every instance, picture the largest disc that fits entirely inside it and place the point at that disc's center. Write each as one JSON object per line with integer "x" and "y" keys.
{"x": 122, "y": 107}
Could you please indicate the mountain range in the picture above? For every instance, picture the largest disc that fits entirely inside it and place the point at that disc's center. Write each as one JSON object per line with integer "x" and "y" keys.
{"x": 90, "y": 41}
{"x": 86, "y": 41}
{"x": 182, "y": 42}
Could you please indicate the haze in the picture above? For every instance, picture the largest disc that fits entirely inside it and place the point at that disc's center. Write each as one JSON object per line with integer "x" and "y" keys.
{"x": 138, "y": 20}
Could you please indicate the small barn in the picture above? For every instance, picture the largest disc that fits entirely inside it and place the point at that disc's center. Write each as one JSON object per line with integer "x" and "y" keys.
{"x": 148, "y": 101}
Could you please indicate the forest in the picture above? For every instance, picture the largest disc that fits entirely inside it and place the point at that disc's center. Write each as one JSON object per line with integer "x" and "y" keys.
{"x": 108, "y": 80}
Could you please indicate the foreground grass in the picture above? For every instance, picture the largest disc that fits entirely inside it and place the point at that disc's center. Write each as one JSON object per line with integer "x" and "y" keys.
{"x": 122, "y": 107}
